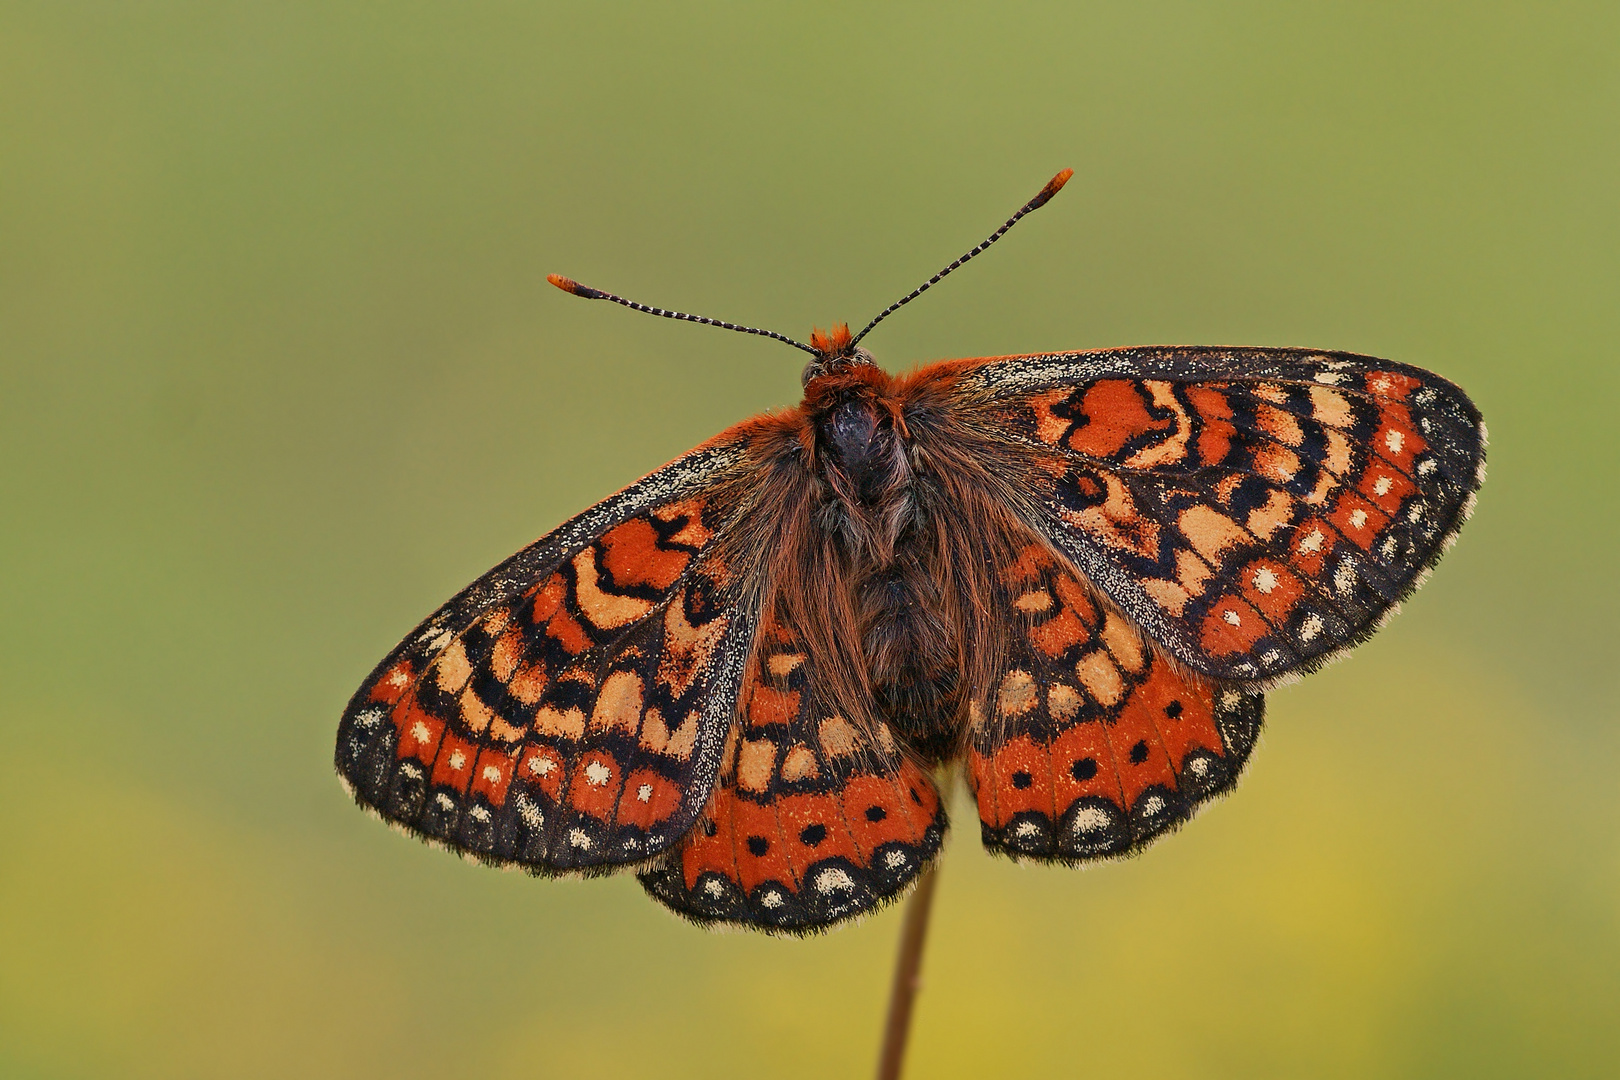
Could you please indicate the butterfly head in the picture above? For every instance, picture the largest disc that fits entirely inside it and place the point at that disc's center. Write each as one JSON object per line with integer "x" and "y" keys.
{"x": 834, "y": 350}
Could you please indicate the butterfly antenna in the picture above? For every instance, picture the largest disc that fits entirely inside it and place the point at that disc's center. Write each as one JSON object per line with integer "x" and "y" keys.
{"x": 568, "y": 285}
{"x": 1053, "y": 186}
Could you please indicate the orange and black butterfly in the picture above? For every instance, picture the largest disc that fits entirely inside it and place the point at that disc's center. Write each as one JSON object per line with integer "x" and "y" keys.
{"x": 1073, "y": 575}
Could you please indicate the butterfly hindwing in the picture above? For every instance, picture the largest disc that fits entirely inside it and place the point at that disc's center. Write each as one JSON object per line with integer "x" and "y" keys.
{"x": 816, "y": 818}
{"x": 1092, "y": 744}
{"x": 1253, "y": 510}
{"x": 568, "y": 710}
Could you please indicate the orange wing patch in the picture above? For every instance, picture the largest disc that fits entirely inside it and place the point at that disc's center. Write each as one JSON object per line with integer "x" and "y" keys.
{"x": 1093, "y": 745}
{"x": 813, "y": 820}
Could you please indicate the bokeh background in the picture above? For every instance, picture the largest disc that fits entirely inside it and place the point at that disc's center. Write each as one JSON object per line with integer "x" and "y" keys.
{"x": 279, "y": 372}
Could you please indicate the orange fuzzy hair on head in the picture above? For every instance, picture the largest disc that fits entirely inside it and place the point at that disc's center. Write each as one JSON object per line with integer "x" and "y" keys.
{"x": 834, "y": 342}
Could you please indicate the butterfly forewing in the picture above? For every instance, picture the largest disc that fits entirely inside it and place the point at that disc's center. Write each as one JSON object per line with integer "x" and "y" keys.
{"x": 1253, "y": 510}
{"x": 567, "y": 711}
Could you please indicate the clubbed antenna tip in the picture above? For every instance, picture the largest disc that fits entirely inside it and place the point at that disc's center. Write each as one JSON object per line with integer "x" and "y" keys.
{"x": 1053, "y": 186}
{"x": 569, "y": 285}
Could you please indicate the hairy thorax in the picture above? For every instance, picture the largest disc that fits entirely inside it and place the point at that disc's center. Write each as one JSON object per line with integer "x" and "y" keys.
{"x": 891, "y": 546}
{"x": 877, "y": 512}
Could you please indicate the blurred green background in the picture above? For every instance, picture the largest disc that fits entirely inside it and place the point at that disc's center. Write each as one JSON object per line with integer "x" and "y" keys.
{"x": 279, "y": 372}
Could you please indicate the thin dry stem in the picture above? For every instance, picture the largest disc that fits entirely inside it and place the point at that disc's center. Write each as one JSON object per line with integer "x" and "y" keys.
{"x": 907, "y": 977}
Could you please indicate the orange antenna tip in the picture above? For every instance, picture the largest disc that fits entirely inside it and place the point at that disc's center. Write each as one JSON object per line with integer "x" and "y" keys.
{"x": 1053, "y": 186}
{"x": 569, "y": 285}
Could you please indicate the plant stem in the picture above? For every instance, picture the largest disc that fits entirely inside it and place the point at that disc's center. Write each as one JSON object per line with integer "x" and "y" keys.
{"x": 907, "y": 977}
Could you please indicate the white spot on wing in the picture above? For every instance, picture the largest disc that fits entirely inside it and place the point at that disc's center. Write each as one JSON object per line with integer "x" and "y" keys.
{"x": 1310, "y": 627}
{"x": 458, "y": 760}
{"x": 644, "y": 793}
{"x": 530, "y": 813}
{"x": 597, "y": 773}
{"x": 1393, "y": 439}
{"x": 1090, "y": 819}
{"x": 1312, "y": 542}
{"x": 492, "y": 774}
{"x": 578, "y": 838}
{"x": 1232, "y": 617}
{"x": 834, "y": 879}
{"x": 1358, "y": 519}
{"x": 1264, "y": 579}
{"x": 1382, "y": 485}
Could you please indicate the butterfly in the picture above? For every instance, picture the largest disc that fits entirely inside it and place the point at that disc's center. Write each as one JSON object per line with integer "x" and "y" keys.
{"x": 1071, "y": 576}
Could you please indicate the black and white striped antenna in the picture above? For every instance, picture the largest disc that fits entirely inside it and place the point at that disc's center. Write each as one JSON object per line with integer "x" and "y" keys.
{"x": 1053, "y": 186}
{"x": 847, "y": 346}
{"x": 569, "y": 285}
